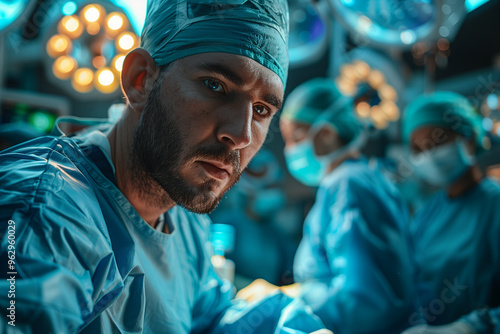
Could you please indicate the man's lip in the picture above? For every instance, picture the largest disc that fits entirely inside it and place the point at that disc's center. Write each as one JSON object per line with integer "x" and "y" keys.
{"x": 216, "y": 168}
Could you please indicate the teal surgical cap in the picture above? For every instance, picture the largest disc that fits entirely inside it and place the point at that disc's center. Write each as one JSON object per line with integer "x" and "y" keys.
{"x": 319, "y": 100}
{"x": 257, "y": 29}
{"x": 447, "y": 110}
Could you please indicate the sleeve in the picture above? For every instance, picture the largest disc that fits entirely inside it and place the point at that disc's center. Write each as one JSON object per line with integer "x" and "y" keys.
{"x": 368, "y": 271}
{"x": 55, "y": 275}
{"x": 215, "y": 312}
{"x": 483, "y": 321}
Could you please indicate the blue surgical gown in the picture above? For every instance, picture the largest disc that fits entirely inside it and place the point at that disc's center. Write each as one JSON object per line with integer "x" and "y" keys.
{"x": 455, "y": 243}
{"x": 85, "y": 261}
{"x": 353, "y": 259}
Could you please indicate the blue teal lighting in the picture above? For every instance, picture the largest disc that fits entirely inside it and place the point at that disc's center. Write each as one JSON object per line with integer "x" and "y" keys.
{"x": 348, "y": 2}
{"x": 492, "y": 101}
{"x": 10, "y": 11}
{"x": 69, "y": 8}
{"x": 136, "y": 12}
{"x": 487, "y": 124}
{"x": 470, "y": 5}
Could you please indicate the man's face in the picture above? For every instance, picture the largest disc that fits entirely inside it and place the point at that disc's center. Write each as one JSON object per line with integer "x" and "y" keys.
{"x": 206, "y": 117}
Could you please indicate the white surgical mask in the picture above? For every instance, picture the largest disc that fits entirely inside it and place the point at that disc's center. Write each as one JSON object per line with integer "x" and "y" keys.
{"x": 444, "y": 164}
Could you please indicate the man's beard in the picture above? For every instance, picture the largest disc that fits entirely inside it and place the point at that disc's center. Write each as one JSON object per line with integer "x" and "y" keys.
{"x": 156, "y": 160}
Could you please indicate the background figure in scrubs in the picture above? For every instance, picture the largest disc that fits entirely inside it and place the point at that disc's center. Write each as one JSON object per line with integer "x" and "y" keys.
{"x": 455, "y": 236}
{"x": 106, "y": 230}
{"x": 353, "y": 259}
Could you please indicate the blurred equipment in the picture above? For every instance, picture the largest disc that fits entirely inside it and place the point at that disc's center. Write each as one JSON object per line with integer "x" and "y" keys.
{"x": 86, "y": 47}
{"x": 26, "y": 115}
{"x": 308, "y": 38}
{"x": 14, "y": 11}
{"x": 222, "y": 239}
{"x": 399, "y": 23}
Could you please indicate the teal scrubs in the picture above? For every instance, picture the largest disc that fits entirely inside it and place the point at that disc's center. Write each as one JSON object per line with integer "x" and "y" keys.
{"x": 455, "y": 244}
{"x": 353, "y": 259}
{"x": 85, "y": 261}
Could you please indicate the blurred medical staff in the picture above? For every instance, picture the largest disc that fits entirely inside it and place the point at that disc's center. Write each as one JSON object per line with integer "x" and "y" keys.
{"x": 455, "y": 235}
{"x": 353, "y": 260}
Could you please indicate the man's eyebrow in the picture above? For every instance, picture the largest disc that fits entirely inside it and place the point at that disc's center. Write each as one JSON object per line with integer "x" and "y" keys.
{"x": 237, "y": 80}
{"x": 273, "y": 100}
{"x": 222, "y": 70}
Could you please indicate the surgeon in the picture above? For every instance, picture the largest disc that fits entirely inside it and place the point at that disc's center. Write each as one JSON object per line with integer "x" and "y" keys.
{"x": 454, "y": 236}
{"x": 105, "y": 231}
{"x": 352, "y": 262}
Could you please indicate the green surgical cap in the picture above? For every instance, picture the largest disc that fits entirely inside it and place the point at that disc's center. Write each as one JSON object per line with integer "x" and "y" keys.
{"x": 447, "y": 110}
{"x": 257, "y": 29}
{"x": 319, "y": 100}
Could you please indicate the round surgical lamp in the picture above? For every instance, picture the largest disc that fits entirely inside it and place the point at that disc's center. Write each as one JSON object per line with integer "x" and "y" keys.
{"x": 12, "y": 12}
{"x": 85, "y": 48}
{"x": 374, "y": 82}
{"x": 308, "y": 38}
{"x": 399, "y": 23}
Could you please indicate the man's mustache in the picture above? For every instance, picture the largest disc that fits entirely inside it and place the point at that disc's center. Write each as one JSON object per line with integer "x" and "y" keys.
{"x": 220, "y": 153}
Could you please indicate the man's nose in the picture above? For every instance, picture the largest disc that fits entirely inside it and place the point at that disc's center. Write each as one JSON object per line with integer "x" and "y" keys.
{"x": 235, "y": 129}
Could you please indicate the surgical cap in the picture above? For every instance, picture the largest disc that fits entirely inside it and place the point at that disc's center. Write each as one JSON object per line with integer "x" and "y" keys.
{"x": 319, "y": 100}
{"x": 447, "y": 110}
{"x": 257, "y": 29}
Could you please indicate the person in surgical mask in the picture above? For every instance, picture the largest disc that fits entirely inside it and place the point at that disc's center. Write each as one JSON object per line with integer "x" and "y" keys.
{"x": 352, "y": 263}
{"x": 454, "y": 236}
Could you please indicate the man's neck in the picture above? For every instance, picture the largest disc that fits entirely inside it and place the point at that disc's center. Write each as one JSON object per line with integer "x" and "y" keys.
{"x": 121, "y": 139}
{"x": 466, "y": 182}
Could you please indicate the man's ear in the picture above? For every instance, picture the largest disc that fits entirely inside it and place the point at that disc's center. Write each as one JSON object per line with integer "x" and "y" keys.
{"x": 139, "y": 73}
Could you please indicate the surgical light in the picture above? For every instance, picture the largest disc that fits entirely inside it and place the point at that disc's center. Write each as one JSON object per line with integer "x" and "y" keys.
{"x": 363, "y": 109}
{"x": 58, "y": 45}
{"x": 105, "y": 80}
{"x": 93, "y": 28}
{"x": 70, "y": 26}
{"x": 125, "y": 42}
{"x": 376, "y": 79}
{"x": 64, "y": 66}
{"x": 82, "y": 80}
{"x": 99, "y": 62}
{"x": 106, "y": 77}
{"x": 115, "y": 21}
{"x": 399, "y": 24}
{"x": 371, "y": 79}
{"x": 92, "y": 13}
{"x": 118, "y": 62}
{"x": 89, "y": 48}
{"x": 308, "y": 38}
{"x": 387, "y": 92}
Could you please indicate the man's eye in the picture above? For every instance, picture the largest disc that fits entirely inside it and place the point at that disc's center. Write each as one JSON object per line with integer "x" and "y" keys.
{"x": 213, "y": 85}
{"x": 261, "y": 111}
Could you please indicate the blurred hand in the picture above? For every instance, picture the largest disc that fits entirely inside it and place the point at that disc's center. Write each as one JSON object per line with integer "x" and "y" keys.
{"x": 256, "y": 290}
{"x": 457, "y": 327}
{"x": 322, "y": 331}
{"x": 260, "y": 288}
